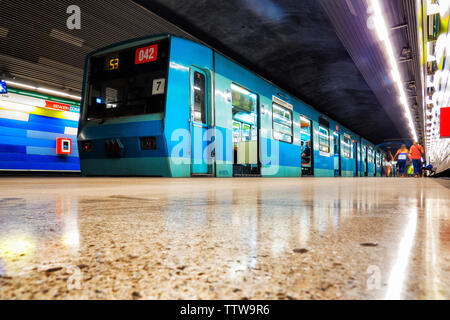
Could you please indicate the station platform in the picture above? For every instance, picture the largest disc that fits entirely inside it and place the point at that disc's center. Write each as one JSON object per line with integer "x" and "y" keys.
{"x": 242, "y": 238}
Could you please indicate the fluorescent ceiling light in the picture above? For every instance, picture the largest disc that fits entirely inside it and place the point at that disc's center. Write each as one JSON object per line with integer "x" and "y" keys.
{"x": 66, "y": 38}
{"x": 55, "y": 92}
{"x": 3, "y": 32}
{"x": 383, "y": 35}
{"x": 20, "y": 85}
{"x": 40, "y": 89}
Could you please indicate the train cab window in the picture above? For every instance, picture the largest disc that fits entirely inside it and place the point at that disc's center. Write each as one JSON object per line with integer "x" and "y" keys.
{"x": 282, "y": 122}
{"x": 199, "y": 97}
{"x": 118, "y": 87}
{"x": 324, "y": 139}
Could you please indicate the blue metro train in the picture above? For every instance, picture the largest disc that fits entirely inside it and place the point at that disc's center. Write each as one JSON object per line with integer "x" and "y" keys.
{"x": 167, "y": 106}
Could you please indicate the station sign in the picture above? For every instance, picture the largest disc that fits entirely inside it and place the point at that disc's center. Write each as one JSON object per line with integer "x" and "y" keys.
{"x": 57, "y": 106}
{"x": 3, "y": 88}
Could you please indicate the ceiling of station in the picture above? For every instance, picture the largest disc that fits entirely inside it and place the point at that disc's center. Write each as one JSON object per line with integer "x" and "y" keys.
{"x": 291, "y": 43}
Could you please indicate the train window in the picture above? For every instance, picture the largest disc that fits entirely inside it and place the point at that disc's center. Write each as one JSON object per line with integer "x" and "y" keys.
{"x": 199, "y": 97}
{"x": 245, "y": 132}
{"x": 282, "y": 123}
{"x": 336, "y": 144}
{"x": 236, "y": 131}
{"x": 242, "y": 99}
{"x": 324, "y": 139}
{"x": 347, "y": 147}
{"x": 370, "y": 157}
{"x": 254, "y": 133}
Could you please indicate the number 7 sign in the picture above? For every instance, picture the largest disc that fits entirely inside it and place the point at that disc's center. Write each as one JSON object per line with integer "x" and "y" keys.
{"x": 158, "y": 86}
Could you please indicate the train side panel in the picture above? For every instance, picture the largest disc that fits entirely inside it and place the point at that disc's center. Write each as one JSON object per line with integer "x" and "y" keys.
{"x": 277, "y": 158}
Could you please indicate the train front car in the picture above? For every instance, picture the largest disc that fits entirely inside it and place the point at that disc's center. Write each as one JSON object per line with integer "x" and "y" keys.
{"x": 121, "y": 128}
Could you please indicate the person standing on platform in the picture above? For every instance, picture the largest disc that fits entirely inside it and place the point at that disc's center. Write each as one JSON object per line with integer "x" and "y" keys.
{"x": 415, "y": 153}
{"x": 388, "y": 166}
{"x": 401, "y": 156}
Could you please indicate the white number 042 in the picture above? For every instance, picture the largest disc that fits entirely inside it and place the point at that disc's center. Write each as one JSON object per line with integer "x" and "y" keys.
{"x": 146, "y": 54}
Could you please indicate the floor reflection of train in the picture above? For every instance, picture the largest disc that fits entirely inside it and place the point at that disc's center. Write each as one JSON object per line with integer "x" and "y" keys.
{"x": 166, "y": 106}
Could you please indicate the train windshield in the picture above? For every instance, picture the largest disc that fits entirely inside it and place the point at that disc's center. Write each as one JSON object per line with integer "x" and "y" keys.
{"x": 128, "y": 82}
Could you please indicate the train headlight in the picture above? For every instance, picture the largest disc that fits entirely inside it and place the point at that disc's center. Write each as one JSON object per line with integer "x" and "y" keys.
{"x": 87, "y": 146}
{"x": 148, "y": 143}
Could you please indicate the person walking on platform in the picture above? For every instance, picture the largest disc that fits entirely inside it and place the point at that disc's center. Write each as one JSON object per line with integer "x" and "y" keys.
{"x": 388, "y": 166}
{"x": 401, "y": 156}
{"x": 415, "y": 153}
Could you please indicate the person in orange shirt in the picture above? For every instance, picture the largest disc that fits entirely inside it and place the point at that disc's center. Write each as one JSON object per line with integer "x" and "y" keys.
{"x": 415, "y": 153}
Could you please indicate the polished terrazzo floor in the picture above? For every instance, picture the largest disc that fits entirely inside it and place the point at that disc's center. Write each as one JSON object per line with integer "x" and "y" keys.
{"x": 242, "y": 238}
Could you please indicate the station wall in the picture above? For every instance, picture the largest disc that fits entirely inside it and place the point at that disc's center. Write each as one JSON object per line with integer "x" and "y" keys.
{"x": 30, "y": 125}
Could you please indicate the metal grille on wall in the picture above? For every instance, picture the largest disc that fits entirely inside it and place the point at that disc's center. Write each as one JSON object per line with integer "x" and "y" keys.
{"x": 36, "y": 44}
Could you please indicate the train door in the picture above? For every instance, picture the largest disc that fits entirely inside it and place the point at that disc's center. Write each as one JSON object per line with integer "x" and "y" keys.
{"x": 307, "y": 158}
{"x": 245, "y": 132}
{"x": 377, "y": 166}
{"x": 357, "y": 157}
{"x": 200, "y": 159}
{"x": 378, "y": 171}
{"x": 364, "y": 160}
{"x": 337, "y": 154}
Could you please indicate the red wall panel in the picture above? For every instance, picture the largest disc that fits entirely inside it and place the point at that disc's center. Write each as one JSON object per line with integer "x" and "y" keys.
{"x": 445, "y": 122}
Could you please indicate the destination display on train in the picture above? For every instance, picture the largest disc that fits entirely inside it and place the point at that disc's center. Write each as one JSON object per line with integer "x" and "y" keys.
{"x": 141, "y": 55}
{"x": 146, "y": 54}
{"x": 113, "y": 64}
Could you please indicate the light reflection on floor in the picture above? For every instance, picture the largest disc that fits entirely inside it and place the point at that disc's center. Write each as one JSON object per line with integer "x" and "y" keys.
{"x": 337, "y": 238}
